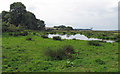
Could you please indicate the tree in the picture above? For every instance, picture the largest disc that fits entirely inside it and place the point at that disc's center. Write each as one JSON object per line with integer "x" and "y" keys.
{"x": 30, "y": 21}
{"x": 20, "y": 17}
{"x": 17, "y": 11}
{"x": 62, "y": 26}
{"x": 5, "y": 16}
{"x": 41, "y": 24}
{"x": 69, "y": 28}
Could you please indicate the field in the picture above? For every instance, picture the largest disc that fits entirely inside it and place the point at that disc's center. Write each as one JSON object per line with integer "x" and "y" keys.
{"x": 27, "y": 54}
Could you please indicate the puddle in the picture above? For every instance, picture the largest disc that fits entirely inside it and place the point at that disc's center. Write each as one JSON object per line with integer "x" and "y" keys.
{"x": 77, "y": 36}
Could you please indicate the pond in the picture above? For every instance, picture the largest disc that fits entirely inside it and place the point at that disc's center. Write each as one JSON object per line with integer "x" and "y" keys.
{"x": 77, "y": 36}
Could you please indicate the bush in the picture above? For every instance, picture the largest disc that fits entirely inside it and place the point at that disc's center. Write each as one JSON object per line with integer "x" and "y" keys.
{"x": 64, "y": 33}
{"x": 29, "y": 38}
{"x": 118, "y": 40}
{"x": 10, "y": 34}
{"x": 56, "y": 38}
{"x": 64, "y": 52}
{"x": 34, "y": 33}
{"x": 74, "y": 39}
{"x": 73, "y": 33}
{"x": 19, "y": 34}
{"x": 94, "y": 43}
{"x": 51, "y": 33}
{"x": 102, "y": 41}
{"x": 15, "y": 34}
{"x": 23, "y": 34}
{"x": 44, "y": 36}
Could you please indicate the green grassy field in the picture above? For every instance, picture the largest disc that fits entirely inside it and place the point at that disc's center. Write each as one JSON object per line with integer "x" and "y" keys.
{"x": 21, "y": 55}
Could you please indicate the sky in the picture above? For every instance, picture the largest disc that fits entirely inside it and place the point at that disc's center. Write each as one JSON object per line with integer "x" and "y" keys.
{"x": 83, "y": 14}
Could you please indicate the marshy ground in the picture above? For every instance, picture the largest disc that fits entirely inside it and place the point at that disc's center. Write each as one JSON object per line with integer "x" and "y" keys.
{"x": 27, "y": 53}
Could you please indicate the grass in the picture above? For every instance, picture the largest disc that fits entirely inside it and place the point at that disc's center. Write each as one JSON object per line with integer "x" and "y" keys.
{"x": 94, "y": 43}
{"x": 65, "y": 52}
{"x": 21, "y": 55}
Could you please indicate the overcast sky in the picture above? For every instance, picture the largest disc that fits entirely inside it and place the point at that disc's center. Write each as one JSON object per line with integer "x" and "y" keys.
{"x": 99, "y": 14}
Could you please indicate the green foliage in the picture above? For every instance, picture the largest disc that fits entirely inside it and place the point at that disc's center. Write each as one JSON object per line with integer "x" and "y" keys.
{"x": 20, "y": 18}
{"x": 17, "y": 11}
{"x": 20, "y": 28}
{"x": 64, "y": 52}
{"x": 74, "y": 39}
{"x": 56, "y": 38}
{"x": 94, "y": 43}
{"x": 12, "y": 28}
{"x": 44, "y": 36}
{"x": 62, "y": 27}
{"x": 5, "y": 16}
{"x": 22, "y": 33}
{"x": 69, "y": 28}
{"x": 118, "y": 40}
{"x": 29, "y": 38}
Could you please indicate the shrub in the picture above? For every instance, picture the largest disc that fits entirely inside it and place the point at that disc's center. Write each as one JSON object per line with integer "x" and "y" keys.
{"x": 10, "y": 34}
{"x": 19, "y": 34}
{"x": 51, "y": 33}
{"x": 73, "y": 33}
{"x": 29, "y": 38}
{"x": 74, "y": 39}
{"x": 102, "y": 41}
{"x": 56, "y": 38}
{"x": 94, "y": 43}
{"x": 118, "y": 40}
{"x": 44, "y": 36}
{"x": 24, "y": 33}
{"x": 34, "y": 33}
{"x": 15, "y": 34}
{"x": 64, "y": 33}
{"x": 64, "y": 52}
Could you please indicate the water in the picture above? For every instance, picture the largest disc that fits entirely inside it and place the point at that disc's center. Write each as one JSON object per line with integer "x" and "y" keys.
{"x": 77, "y": 36}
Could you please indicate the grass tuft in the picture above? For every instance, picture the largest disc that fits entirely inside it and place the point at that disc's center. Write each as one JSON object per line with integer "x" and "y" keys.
{"x": 64, "y": 52}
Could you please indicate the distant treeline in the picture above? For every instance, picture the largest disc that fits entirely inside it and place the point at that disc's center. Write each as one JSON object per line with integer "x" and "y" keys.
{"x": 62, "y": 27}
{"x": 18, "y": 18}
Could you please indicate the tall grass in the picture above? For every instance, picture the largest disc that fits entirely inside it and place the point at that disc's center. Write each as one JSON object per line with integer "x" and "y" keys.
{"x": 94, "y": 43}
{"x": 64, "y": 52}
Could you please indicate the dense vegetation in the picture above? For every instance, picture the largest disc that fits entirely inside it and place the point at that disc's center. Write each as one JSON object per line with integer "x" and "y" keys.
{"x": 18, "y": 18}
{"x": 33, "y": 53}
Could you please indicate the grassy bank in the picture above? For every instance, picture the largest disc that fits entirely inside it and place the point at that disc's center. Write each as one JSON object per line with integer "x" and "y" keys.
{"x": 21, "y": 54}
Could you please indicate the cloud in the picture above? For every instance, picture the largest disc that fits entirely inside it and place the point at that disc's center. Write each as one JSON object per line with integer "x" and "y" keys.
{"x": 99, "y": 14}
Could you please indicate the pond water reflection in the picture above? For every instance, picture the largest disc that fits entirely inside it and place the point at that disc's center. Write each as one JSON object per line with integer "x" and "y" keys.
{"x": 77, "y": 36}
